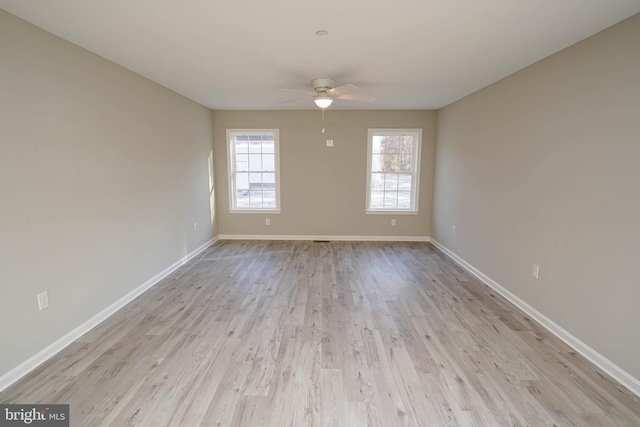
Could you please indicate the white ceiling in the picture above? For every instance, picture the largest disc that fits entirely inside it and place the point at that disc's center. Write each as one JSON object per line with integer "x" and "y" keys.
{"x": 238, "y": 54}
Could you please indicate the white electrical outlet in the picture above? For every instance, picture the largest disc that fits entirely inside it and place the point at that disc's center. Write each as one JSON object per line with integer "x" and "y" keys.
{"x": 195, "y": 226}
{"x": 535, "y": 270}
{"x": 453, "y": 229}
{"x": 43, "y": 300}
{"x": 267, "y": 221}
{"x": 393, "y": 222}
{"x": 329, "y": 142}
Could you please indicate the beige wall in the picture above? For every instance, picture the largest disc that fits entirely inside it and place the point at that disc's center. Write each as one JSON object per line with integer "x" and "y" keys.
{"x": 544, "y": 167}
{"x": 323, "y": 189}
{"x": 102, "y": 175}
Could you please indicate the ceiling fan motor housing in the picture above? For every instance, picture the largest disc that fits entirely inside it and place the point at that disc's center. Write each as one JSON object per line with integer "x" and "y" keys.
{"x": 323, "y": 85}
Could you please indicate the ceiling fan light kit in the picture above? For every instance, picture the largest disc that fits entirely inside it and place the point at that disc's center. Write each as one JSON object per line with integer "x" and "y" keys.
{"x": 323, "y": 101}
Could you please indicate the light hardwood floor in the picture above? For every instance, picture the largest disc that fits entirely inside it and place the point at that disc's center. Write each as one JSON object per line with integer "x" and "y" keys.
{"x": 324, "y": 334}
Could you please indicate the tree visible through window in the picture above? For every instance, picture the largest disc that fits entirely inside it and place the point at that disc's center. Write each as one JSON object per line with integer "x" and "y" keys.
{"x": 393, "y": 170}
{"x": 253, "y": 170}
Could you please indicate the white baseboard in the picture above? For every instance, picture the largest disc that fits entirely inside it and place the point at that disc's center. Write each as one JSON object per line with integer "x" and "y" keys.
{"x": 330, "y": 238}
{"x": 45, "y": 354}
{"x": 623, "y": 377}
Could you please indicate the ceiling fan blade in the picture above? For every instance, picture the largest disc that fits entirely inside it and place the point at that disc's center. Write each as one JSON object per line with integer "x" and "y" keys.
{"x": 356, "y": 98}
{"x": 342, "y": 89}
{"x": 300, "y": 91}
{"x": 292, "y": 100}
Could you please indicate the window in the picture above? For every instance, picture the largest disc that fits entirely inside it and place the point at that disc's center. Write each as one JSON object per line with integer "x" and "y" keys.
{"x": 254, "y": 184}
{"x": 393, "y": 166}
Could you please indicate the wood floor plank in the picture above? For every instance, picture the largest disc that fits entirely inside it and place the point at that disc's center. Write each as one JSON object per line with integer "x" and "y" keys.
{"x": 301, "y": 333}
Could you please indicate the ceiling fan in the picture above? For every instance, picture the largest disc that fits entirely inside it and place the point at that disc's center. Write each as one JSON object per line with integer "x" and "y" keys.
{"x": 324, "y": 92}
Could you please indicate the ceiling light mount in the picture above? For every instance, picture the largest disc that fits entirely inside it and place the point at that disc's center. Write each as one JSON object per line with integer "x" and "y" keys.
{"x": 322, "y": 33}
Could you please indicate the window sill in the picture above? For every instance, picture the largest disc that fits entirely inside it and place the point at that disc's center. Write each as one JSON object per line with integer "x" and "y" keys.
{"x": 387, "y": 212}
{"x": 255, "y": 211}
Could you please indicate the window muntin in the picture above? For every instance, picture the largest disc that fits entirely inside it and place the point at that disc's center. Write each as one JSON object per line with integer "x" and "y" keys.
{"x": 253, "y": 170}
{"x": 393, "y": 170}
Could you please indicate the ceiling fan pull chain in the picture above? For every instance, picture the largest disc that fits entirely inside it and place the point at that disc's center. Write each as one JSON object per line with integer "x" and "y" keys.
{"x": 323, "y": 120}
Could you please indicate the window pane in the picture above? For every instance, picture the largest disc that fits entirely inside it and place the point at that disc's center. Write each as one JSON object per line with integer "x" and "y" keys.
{"x": 241, "y": 145}
{"x": 377, "y": 182}
{"x": 377, "y": 200}
{"x": 242, "y": 199}
{"x": 268, "y": 162}
{"x": 376, "y": 163}
{"x": 377, "y": 144}
{"x": 404, "y": 163}
{"x": 242, "y": 162}
{"x": 404, "y": 200}
{"x": 242, "y": 181}
{"x": 391, "y": 144}
{"x": 390, "y": 181}
{"x": 269, "y": 198}
{"x": 268, "y": 146}
{"x": 404, "y": 182}
{"x": 255, "y": 146}
{"x": 390, "y": 199}
{"x": 255, "y": 162}
{"x": 255, "y": 199}
{"x": 269, "y": 181}
{"x": 255, "y": 181}
{"x": 391, "y": 163}
{"x": 406, "y": 145}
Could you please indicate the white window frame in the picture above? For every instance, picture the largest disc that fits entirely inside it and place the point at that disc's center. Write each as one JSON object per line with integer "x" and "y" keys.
{"x": 416, "y": 160}
{"x": 231, "y": 162}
